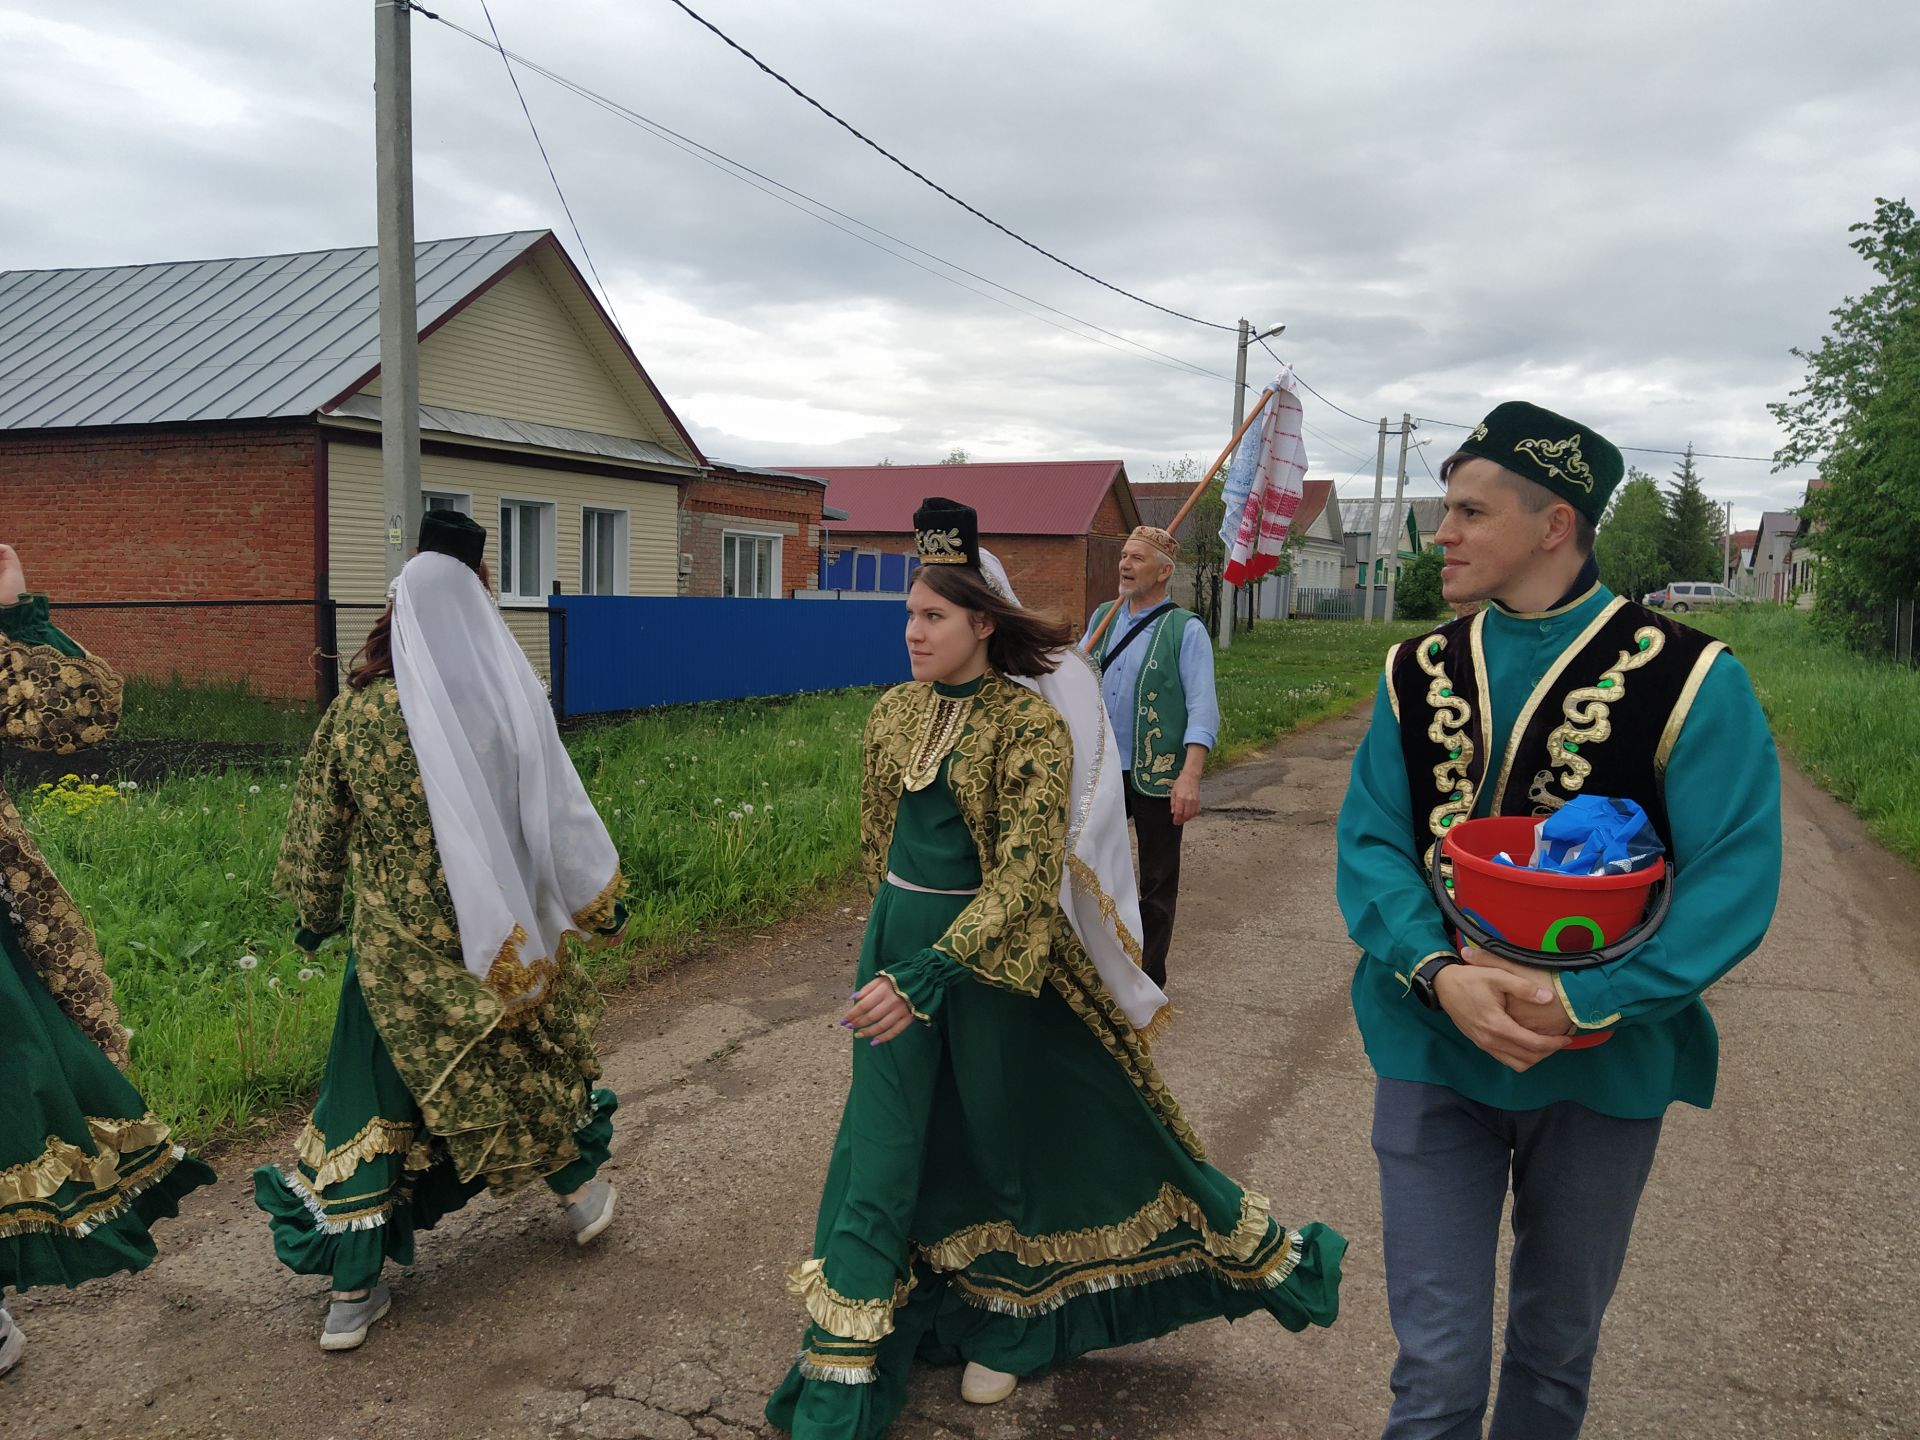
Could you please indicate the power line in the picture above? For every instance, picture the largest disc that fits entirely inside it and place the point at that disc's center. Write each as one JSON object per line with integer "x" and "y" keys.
{"x": 932, "y": 185}
{"x": 1636, "y": 449}
{"x": 519, "y": 94}
{"x": 740, "y": 171}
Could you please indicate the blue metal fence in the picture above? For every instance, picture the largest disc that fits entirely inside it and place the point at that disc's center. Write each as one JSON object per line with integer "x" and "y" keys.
{"x": 867, "y": 570}
{"x": 631, "y": 652}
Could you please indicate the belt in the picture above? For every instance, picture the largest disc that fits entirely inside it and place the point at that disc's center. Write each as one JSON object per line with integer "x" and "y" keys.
{"x": 899, "y": 884}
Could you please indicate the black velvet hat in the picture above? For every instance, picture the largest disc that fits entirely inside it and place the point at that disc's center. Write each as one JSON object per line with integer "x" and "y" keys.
{"x": 1576, "y": 463}
{"x": 451, "y": 533}
{"x": 945, "y": 532}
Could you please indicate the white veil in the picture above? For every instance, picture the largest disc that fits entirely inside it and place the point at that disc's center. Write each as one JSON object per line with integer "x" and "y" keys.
{"x": 1098, "y": 891}
{"x": 526, "y": 855}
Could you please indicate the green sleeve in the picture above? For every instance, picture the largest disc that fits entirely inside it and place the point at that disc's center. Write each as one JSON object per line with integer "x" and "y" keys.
{"x": 1723, "y": 803}
{"x": 27, "y": 622}
{"x": 312, "y": 872}
{"x": 1379, "y": 880}
{"x": 922, "y": 980}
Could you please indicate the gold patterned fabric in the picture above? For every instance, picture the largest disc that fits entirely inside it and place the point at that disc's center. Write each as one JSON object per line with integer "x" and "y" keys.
{"x": 502, "y": 1088}
{"x": 1009, "y": 772}
{"x": 57, "y": 703}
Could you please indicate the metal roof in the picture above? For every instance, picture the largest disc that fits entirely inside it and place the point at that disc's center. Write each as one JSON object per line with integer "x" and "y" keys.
{"x": 1020, "y": 497}
{"x": 242, "y": 339}
{"x": 441, "y": 420}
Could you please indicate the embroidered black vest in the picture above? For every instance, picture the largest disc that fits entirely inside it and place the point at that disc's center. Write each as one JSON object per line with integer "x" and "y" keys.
{"x": 1602, "y": 721}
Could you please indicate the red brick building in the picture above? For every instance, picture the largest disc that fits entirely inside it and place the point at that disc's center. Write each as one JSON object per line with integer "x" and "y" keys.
{"x": 203, "y": 433}
{"x": 1057, "y": 525}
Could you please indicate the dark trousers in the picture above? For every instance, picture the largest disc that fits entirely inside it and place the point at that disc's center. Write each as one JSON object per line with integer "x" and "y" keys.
{"x": 1444, "y": 1167}
{"x": 1159, "y": 840}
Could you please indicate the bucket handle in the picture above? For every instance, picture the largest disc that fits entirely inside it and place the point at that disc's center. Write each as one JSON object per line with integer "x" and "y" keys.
{"x": 1481, "y": 938}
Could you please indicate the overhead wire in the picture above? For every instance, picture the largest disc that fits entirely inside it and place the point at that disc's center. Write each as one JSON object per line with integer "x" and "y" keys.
{"x": 749, "y": 176}
{"x": 978, "y": 214}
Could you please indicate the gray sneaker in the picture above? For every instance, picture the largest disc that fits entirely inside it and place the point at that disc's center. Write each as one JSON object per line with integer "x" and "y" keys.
{"x": 349, "y": 1320}
{"x": 13, "y": 1343}
{"x": 592, "y": 1213}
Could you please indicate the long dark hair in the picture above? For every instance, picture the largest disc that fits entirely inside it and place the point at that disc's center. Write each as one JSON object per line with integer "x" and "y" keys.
{"x": 1022, "y": 641}
{"x": 374, "y": 660}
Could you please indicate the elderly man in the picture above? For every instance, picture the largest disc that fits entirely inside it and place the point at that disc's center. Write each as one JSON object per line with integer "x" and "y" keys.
{"x": 1157, "y": 667}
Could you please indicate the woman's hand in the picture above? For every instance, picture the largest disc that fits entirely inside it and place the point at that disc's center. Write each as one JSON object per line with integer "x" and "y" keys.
{"x": 878, "y": 1013}
{"x": 13, "y": 576}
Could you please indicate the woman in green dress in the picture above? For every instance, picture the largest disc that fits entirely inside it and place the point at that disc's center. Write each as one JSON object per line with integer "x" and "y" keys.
{"x": 85, "y": 1167}
{"x": 462, "y": 1056}
{"x": 1012, "y": 1184}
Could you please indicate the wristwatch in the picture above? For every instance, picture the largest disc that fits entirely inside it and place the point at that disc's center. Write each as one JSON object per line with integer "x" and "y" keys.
{"x": 1422, "y": 982}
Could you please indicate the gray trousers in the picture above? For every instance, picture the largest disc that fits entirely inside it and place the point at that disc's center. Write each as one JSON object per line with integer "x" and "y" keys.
{"x": 1444, "y": 1167}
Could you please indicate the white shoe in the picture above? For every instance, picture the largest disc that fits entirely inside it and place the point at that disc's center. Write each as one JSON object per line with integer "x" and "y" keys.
{"x": 349, "y": 1320}
{"x": 592, "y": 1212}
{"x": 981, "y": 1386}
{"x": 13, "y": 1343}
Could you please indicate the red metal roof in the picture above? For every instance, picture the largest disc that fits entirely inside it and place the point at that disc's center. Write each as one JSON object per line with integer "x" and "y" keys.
{"x": 1015, "y": 497}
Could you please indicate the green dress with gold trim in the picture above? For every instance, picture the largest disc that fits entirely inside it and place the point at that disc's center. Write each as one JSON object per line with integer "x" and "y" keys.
{"x": 437, "y": 1084}
{"x": 1011, "y": 1183}
{"x": 85, "y": 1167}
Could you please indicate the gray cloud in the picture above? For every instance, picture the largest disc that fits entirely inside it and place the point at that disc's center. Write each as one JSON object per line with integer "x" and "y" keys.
{"x": 1627, "y": 212}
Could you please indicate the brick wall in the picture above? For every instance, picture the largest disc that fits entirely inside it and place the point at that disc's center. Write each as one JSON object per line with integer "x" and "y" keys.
{"x": 172, "y": 513}
{"x": 1049, "y": 572}
{"x": 711, "y": 507}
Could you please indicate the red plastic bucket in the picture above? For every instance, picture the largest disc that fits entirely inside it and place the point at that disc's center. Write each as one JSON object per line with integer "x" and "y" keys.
{"x": 1536, "y": 908}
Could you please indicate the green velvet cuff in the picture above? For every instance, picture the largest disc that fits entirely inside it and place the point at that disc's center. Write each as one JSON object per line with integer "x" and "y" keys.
{"x": 922, "y": 981}
{"x": 26, "y": 622}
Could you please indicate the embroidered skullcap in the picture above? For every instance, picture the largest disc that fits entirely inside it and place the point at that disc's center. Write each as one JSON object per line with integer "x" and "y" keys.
{"x": 945, "y": 532}
{"x": 1574, "y": 461}
{"x": 1161, "y": 540}
{"x": 450, "y": 533}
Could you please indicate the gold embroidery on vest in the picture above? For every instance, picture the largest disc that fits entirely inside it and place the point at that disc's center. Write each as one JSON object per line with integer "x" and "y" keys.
{"x": 1586, "y": 709}
{"x": 1451, "y": 715}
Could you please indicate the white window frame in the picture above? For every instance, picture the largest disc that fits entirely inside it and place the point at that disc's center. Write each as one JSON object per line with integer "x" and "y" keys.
{"x": 617, "y": 582}
{"x": 776, "y": 537}
{"x": 461, "y": 500}
{"x": 509, "y": 535}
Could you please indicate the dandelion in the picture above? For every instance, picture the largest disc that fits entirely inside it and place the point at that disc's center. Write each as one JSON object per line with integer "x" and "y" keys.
{"x": 307, "y": 973}
{"x": 716, "y": 800}
{"x": 733, "y": 814}
{"x": 232, "y": 876}
{"x": 253, "y": 789}
{"x": 273, "y": 982}
{"x": 747, "y": 808}
{"x": 248, "y": 962}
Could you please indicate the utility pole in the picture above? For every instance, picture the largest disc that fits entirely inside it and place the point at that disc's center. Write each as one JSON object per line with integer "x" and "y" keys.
{"x": 1230, "y": 595}
{"x": 1729, "y": 547}
{"x": 1373, "y": 530}
{"x": 1399, "y": 497}
{"x": 399, "y": 318}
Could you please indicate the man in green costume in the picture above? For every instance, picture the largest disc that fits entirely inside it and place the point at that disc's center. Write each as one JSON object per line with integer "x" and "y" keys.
{"x": 1156, "y": 666}
{"x": 1555, "y": 688}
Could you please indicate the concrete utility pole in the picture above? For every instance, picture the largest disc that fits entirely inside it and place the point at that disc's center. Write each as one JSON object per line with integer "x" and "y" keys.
{"x": 1399, "y": 498}
{"x": 1373, "y": 530}
{"x": 1730, "y": 556}
{"x": 399, "y": 317}
{"x": 1229, "y": 595}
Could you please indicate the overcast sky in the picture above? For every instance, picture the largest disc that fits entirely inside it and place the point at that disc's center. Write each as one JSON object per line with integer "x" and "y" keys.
{"x": 1628, "y": 212}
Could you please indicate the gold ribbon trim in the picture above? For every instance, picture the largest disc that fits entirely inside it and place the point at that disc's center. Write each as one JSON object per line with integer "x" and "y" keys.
{"x": 332, "y": 1165}
{"x": 598, "y": 912}
{"x": 1269, "y": 1275}
{"x": 868, "y": 1320}
{"x": 62, "y": 1163}
{"x": 1107, "y": 1242}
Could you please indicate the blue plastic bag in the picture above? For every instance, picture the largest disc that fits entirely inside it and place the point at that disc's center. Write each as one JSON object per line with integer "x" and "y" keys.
{"x": 1596, "y": 835}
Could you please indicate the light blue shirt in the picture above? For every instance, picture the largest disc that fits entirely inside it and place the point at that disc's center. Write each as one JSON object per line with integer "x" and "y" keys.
{"x": 1196, "y": 679}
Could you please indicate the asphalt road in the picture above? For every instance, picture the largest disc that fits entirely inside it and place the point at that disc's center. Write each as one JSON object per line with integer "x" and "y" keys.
{"x": 1770, "y": 1291}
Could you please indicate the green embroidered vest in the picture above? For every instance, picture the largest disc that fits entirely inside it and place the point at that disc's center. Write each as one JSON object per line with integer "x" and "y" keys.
{"x": 1159, "y": 700}
{"x": 1602, "y": 721}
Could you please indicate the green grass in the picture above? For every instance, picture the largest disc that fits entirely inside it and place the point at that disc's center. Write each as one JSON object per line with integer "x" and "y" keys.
{"x": 231, "y": 713}
{"x": 726, "y": 816}
{"x": 1851, "y": 722}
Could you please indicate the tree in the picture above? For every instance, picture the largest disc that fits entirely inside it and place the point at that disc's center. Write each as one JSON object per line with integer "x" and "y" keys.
{"x": 1202, "y": 548}
{"x": 957, "y": 456}
{"x": 1417, "y": 596}
{"x": 1696, "y": 539}
{"x": 1631, "y": 544}
{"x": 1857, "y": 416}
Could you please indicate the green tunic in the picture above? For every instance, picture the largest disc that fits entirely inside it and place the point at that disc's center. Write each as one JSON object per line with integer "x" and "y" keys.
{"x": 1723, "y": 801}
{"x": 85, "y": 1168}
{"x": 1011, "y": 1183}
{"x": 433, "y": 1088}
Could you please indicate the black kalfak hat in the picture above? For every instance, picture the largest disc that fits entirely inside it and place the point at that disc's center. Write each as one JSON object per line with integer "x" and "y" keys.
{"x": 450, "y": 533}
{"x": 945, "y": 532}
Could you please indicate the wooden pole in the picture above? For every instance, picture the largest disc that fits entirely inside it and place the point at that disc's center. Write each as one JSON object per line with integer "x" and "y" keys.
{"x": 1193, "y": 499}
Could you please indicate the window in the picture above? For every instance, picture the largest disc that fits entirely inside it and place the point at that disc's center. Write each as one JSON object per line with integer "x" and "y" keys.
{"x": 749, "y": 566}
{"x": 526, "y": 549}
{"x": 603, "y": 552}
{"x": 447, "y": 500}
